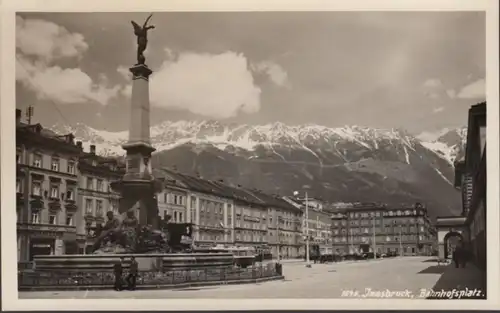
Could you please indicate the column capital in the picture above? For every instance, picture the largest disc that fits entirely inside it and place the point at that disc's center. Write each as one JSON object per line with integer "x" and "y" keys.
{"x": 140, "y": 71}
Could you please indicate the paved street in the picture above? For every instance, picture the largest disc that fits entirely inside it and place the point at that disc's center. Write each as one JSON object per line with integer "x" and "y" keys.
{"x": 320, "y": 281}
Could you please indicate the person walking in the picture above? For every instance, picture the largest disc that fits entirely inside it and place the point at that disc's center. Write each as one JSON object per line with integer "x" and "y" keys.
{"x": 118, "y": 271}
{"x": 132, "y": 275}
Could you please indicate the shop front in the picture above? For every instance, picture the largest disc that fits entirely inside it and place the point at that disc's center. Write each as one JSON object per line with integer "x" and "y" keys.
{"x": 41, "y": 246}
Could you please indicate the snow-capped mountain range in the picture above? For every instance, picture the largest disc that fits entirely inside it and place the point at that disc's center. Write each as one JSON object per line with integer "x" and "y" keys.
{"x": 348, "y": 163}
{"x": 448, "y": 143}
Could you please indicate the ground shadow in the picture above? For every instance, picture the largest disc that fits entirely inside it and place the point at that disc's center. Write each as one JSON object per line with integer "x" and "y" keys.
{"x": 433, "y": 269}
{"x": 430, "y": 261}
{"x": 459, "y": 283}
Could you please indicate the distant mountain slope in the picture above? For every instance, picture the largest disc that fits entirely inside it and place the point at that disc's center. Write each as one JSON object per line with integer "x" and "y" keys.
{"x": 336, "y": 164}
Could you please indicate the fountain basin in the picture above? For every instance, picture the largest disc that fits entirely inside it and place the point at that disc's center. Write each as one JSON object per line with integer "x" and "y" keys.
{"x": 146, "y": 262}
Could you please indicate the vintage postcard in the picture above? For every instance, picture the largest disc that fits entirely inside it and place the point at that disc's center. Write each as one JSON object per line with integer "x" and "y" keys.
{"x": 206, "y": 154}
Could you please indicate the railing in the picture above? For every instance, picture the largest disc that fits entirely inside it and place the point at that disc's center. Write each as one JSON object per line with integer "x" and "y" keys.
{"x": 28, "y": 280}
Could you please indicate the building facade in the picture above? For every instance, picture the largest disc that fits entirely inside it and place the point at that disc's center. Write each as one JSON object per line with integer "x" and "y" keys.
{"x": 361, "y": 228}
{"x": 46, "y": 187}
{"x": 95, "y": 195}
{"x": 318, "y": 225}
{"x": 470, "y": 177}
{"x": 284, "y": 225}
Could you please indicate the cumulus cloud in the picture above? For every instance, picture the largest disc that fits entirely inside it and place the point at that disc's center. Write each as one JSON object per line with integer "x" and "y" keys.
{"x": 39, "y": 43}
{"x": 46, "y": 40}
{"x": 275, "y": 72}
{"x": 474, "y": 90}
{"x": 69, "y": 85}
{"x": 124, "y": 72}
{"x": 213, "y": 85}
{"x": 437, "y": 110}
{"x": 451, "y": 93}
{"x": 433, "y": 83}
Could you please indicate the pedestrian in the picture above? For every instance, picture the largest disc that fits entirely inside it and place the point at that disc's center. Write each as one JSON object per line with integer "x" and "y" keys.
{"x": 132, "y": 275}
{"x": 118, "y": 271}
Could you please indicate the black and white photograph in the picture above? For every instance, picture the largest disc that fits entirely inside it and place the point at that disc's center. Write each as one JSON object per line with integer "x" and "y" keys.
{"x": 260, "y": 155}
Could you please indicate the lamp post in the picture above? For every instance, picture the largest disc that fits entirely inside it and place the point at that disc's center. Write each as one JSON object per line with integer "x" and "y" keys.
{"x": 400, "y": 242}
{"x": 308, "y": 263}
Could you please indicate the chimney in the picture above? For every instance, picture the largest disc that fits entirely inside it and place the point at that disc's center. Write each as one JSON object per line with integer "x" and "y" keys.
{"x": 92, "y": 149}
{"x": 239, "y": 186}
{"x": 221, "y": 180}
{"x": 18, "y": 116}
{"x": 198, "y": 174}
{"x": 174, "y": 167}
{"x": 79, "y": 144}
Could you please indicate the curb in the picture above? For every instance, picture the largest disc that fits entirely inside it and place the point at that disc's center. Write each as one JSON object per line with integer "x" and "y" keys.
{"x": 152, "y": 287}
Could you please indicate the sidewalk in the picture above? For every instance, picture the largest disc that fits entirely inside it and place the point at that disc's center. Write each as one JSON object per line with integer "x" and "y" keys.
{"x": 468, "y": 278}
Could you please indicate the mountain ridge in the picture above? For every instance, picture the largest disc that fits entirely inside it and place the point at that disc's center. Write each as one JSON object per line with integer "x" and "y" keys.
{"x": 349, "y": 164}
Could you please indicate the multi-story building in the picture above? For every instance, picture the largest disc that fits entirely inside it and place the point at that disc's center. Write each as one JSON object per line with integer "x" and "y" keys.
{"x": 284, "y": 225}
{"x": 471, "y": 179}
{"x": 46, "y": 185}
{"x": 95, "y": 195}
{"x": 318, "y": 223}
{"x": 208, "y": 205}
{"x": 172, "y": 202}
{"x": 225, "y": 214}
{"x": 368, "y": 227}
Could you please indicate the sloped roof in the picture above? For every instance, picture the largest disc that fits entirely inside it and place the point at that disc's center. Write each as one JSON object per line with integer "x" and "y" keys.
{"x": 221, "y": 189}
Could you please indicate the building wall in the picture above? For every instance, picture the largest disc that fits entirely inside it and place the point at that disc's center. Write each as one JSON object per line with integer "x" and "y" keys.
{"x": 173, "y": 202}
{"x": 46, "y": 191}
{"x": 211, "y": 217}
{"x": 477, "y": 231}
{"x": 250, "y": 224}
{"x": 95, "y": 198}
{"x": 284, "y": 230}
{"x": 402, "y": 231}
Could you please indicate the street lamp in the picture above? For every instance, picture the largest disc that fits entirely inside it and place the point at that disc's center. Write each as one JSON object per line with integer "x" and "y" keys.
{"x": 308, "y": 263}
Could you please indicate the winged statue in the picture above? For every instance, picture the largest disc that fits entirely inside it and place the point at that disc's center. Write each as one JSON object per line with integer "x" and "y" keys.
{"x": 142, "y": 38}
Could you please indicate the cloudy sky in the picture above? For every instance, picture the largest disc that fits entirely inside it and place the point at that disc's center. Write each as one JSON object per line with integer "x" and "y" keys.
{"x": 414, "y": 70}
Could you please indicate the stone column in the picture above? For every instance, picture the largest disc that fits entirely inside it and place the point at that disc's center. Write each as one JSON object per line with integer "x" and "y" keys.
{"x": 233, "y": 217}
{"x": 226, "y": 226}
{"x": 197, "y": 215}
{"x": 138, "y": 185}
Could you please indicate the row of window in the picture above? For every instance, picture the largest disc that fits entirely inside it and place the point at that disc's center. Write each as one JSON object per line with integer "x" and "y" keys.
{"x": 378, "y": 214}
{"x": 55, "y": 163}
{"x": 387, "y": 229}
{"x": 387, "y": 238}
{"x": 172, "y": 198}
{"x": 54, "y": 191}
{"x": 95, "y": 184}
{"x": 95, "y": 207}
{"x": 53, "y": 219}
